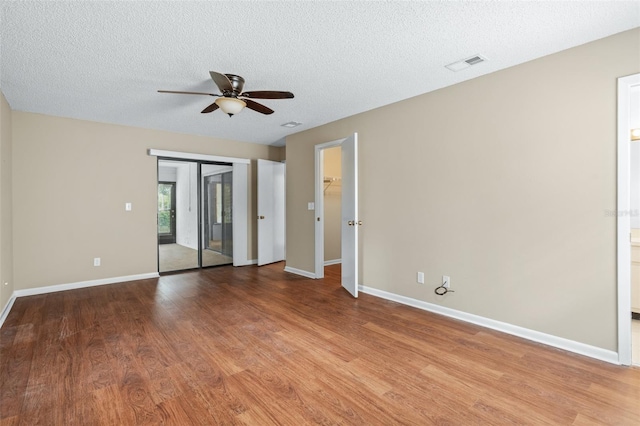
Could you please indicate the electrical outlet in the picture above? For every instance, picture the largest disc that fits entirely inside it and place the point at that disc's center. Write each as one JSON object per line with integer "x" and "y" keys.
{"x": 446, "y": 281}
{"x": 420, "y": 278}
{"x": 96, "y": 261}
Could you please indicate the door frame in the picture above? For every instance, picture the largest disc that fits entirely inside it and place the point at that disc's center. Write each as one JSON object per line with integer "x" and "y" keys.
{"x": 625, "y": 85}
{"x": 319, "y": 204}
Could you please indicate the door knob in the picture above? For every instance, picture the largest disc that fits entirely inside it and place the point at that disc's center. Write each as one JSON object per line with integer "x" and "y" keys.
{"x": 351, "y": 223}
{"x": 260, "y": 217}
{"x": 359, "y": 222}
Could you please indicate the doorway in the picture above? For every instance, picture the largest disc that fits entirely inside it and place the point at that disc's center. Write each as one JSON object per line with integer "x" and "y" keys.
{"x": 628, "y": 223}
{"x": 332, "y": 200}
{"x": 194, "y": 205}
{"x": 349, "y": 221}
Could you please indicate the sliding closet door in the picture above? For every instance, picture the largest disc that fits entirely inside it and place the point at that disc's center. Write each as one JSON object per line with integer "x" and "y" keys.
{"x": 177, "y": 215}
{"x": 194, "y": 215}
{"x": 227, "y": 214}
{"x": 217, "y": 218}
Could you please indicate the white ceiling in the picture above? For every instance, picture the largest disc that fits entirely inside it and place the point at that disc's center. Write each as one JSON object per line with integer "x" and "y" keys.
{"x": 105, "y": 61}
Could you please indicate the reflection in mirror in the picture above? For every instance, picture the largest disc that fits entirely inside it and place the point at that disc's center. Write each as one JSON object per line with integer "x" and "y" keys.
{"x": 217, "y": 232}
{"x": 177, "y": 215}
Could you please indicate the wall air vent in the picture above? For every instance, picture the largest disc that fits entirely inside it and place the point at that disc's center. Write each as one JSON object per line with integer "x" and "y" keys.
{"x": 466, "y": 63}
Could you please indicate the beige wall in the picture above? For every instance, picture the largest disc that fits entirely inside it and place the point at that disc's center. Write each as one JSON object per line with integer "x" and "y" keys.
{"x": 6, "y": 231}
{"x": 71, "y": 179}
{"x": 332, "y": 202}
{"x": 501, "y": 182}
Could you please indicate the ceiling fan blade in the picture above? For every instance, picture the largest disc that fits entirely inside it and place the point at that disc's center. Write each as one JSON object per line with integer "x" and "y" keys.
{"x": 268, "y": 94}
{"x": 222, "y": 81}
{"x": 214, "y": 106}
{"x": 188, "y": 93}
{"x": 258, "y": 107}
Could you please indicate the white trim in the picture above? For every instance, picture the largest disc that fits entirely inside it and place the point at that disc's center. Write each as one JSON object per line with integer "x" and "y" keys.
{"x": 7, "y": 309}
{"x": 624, "y": 220}
{"x": 194, "y": 156}
{"x": 332, "y": 262}
{"x": 319, "y": 204}
{"x": 240, "y": 194}
{"x": 296, "y": 271}
{"x": 536, "y": 336}
{"x": 319, "y": 212}
{"x": 83, "y": 284}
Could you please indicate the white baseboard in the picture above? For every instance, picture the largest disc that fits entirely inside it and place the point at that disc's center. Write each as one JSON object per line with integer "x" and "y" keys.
{"x": 245, "y": 262}
{"x": 82, "y": 284}
{"x": 71, "y": 286}
{"x": 536, "y": 336}
{"x": 332, "y": 262}
{"x": 306, "y": 274}
{"x": 7, "y": 309}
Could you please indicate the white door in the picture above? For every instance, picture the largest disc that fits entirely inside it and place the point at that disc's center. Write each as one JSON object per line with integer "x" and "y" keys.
{"x": 271, "y": 224}
{"x": 350, "y": 220}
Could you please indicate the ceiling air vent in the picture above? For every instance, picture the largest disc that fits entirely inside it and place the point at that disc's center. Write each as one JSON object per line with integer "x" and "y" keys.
{"x": 466, "y": 63}
{"x": 291, "y": 124}
{"x": 474, "y": 60}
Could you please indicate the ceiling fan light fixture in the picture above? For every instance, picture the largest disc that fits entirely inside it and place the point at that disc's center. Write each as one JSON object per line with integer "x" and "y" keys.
{"x": 230, "y": 106}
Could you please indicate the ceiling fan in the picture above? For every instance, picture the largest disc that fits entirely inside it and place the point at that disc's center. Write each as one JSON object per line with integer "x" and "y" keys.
{"x": 233, "y": 99}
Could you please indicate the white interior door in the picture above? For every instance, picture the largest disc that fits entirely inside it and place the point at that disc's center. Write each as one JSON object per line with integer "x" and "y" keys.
{"x": 271, "y": 206}
{"x": 350, "y": 221}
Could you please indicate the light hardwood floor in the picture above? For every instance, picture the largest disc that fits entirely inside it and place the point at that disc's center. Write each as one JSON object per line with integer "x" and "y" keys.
{"x": 259, "y": 346}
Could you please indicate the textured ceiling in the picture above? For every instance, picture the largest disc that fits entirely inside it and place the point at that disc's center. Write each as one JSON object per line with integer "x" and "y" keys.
{"x": 105, "y": 61}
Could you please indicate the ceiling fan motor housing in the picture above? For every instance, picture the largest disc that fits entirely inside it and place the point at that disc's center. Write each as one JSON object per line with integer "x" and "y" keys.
{"x": 237, "y": 83}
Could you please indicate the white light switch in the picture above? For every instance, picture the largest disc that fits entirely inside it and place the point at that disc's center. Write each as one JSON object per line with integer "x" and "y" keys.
{"x": 311, "y": 206}
{"x": 127, "y": 207}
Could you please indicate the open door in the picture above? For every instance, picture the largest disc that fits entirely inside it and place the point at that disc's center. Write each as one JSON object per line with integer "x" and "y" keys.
{"x": 271, "y": 207}
{"x": 350, "y": 221}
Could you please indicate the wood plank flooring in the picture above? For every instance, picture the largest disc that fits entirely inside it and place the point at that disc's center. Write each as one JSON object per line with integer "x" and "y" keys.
{"x": 259, "y": 346}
